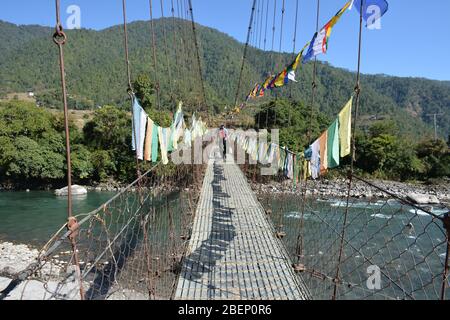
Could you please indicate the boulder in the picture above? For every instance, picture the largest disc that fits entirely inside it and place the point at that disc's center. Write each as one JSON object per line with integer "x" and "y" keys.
{"x": 423, "y": 198}
{"x": 76, "y": 191}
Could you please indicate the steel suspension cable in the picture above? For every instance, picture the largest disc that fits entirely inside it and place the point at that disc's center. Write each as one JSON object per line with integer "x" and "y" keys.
{"x": 175, "y": 45}
{"x": 245, "y": 53}
{"x": 127, "y": 55}
{"x": 155, "y": 64}
{"x": 283, "y": 9}
{"x": 259, "y": 27}
{"x": 130, "y": 85}
{"x": 273, "y": 24}
{"x": 295, "y": 27}
{"x": 166, "y": 52}
{"x": 183, "y": 45}
{"x": 255, "y": 26}
{"x": 190, "y": 51}
{"x": 60, "y": 39}
{"x": 194, "y": 31}
{"x": 299, "y": 245}
{"x": 185, "y": 16}
{"x": 267, "y": 20}
{"x": 272, "y": 52}
{"x": 261, "y": 23}
{"x": 293, "y": 49}
{"x": 259, "y": 44}
{"x": 314, "y": 85}
{"x": 353, "y": 150}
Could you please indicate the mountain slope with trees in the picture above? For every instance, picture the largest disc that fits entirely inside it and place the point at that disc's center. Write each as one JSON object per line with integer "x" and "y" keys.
{"x": 96, "y": 73}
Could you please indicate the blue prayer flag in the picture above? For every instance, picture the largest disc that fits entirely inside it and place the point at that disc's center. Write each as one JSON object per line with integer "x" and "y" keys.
{"x": 373, "y": 10}
{"x": 310, "y": 53}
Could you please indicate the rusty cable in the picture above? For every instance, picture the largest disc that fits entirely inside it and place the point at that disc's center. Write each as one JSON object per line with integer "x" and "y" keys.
{"x": 166, "y": 52}
{"x": 353, "y": 153}
{"x": 130, "y": 90}
{"x": 266, "y": 25}
{"x": 155, "y": 65}
{"x": 299, "y": 245}
{"x": 245, "y": 53}
{"x": 194, "y": 31}
{"x": 60, "y": 39}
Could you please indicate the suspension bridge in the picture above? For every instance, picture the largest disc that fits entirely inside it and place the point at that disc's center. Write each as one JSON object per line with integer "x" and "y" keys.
{"x": 202, "y": 232}
{"x": 233, "y": 252}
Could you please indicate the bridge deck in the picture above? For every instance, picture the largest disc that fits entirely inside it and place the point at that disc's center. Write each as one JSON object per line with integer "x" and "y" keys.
{"x": 233, "y": 253}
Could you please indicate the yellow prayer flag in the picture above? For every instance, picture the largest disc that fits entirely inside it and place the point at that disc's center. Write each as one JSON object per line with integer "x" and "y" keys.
{"x": 280, "y": 81}
{"x": 345, "y": 128}
{"x": 306, "y": 170}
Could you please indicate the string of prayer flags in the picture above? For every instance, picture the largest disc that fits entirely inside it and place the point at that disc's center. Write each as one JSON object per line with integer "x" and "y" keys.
{"x": 319, "y": 42}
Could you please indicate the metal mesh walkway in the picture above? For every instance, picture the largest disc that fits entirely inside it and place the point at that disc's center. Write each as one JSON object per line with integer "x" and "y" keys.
{"x": 233, "y": 252}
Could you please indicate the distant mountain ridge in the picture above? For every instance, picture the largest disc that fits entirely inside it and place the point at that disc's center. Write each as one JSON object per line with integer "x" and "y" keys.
{"x": 95, "y": 69}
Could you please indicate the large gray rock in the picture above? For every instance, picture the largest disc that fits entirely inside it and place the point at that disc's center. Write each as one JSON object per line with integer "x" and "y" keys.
{"x": 76, "y": 191}
{"x": 423, "y": 198}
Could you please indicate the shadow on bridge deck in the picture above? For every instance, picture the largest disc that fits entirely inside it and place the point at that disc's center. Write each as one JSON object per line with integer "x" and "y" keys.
{"x": 204, "y": 258}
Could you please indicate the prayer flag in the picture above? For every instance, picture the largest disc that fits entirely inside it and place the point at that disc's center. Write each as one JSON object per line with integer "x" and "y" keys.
{"x": 319, "y": 42}
{"x": 333, "y": 145}
{"x": 323, "y": 140}
{"x": 345, "y": 128}
{"x": 373, "y": 10}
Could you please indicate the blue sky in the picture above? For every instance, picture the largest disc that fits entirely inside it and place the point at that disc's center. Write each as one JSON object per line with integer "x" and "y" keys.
{"x": 413, "y": 40}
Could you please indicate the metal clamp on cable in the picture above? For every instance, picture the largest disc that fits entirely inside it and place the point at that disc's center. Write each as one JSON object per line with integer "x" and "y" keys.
{"x": 59, "y": 37}
{"x": 73, "y": 227}
{"x": 130, "y": 91}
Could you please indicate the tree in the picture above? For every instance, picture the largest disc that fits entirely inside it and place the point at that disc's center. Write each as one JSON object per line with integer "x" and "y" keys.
{"x": 104, "y": 166}
{"x": 26, "y": 159}
{"x": 82, "y": 165}
{"x": 436, "y": 157}
{"x": 145, "y": 91}
{"x": 387, "y": 127}
{"x": 110, "y": 128}
{"x": 293, "y": 120}
{"x": 383, "y": 154}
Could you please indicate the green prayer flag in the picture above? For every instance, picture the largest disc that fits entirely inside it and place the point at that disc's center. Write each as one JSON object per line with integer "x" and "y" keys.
{"x": 155, "y": 144}
{"x": 333, "y": 145}
{"x": 170, "y": 146}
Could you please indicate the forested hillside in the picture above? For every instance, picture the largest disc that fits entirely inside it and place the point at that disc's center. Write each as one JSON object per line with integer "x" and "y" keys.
{"x": 96, "y": 73}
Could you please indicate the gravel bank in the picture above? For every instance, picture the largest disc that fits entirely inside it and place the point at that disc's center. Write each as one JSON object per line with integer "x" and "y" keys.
{"x": 338, "y": 188}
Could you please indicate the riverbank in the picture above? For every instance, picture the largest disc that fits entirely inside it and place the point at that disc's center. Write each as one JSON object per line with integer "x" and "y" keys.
{"x": 115, "y": 186}
{"x": 15, "y": 258}
{"x": 338, "y": 188}
{"x": 53, "y": 281}
{"x": 99, "y": 187}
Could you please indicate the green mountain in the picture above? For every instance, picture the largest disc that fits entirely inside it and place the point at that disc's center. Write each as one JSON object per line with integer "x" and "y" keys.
{"x": 96, "y": 73}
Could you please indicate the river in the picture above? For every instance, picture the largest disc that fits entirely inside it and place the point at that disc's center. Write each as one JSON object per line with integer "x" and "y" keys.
{"x": 33, "y": 217}
{"x": 407, "y": 244}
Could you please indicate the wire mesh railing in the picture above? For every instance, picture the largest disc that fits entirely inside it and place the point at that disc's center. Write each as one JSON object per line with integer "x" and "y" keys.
{"x": 392, "y": 249}
{"x": 130, "y": 248}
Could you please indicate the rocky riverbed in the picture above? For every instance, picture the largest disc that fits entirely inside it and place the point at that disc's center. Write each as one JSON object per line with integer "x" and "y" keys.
{"x": 338, "y": 188}
{"x": 53, "y": 281}
{"x": 16, "y": 257}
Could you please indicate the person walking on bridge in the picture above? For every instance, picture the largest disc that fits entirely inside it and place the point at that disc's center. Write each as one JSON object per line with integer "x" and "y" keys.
{"x": 223, "y": 134}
